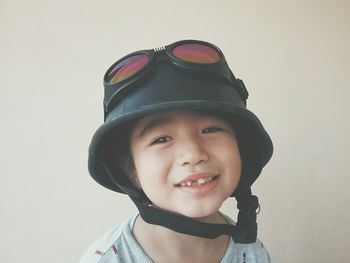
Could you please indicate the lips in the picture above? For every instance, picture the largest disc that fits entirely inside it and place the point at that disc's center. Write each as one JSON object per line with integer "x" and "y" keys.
{"x": 196, "y": 180}
{"x": 198, "y": 185}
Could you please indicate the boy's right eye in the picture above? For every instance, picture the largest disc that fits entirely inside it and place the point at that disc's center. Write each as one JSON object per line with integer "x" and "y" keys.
{"x": 212, "y": 129}
{"x": 161, "y": 139}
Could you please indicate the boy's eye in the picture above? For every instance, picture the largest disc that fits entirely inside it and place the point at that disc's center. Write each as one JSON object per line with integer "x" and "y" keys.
{"x": 160, "y": 140}
{"x": 212, "y": 129}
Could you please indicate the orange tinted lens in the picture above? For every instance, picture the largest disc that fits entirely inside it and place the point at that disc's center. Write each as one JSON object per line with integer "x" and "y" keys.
{"x": 197, "y": 53}
{"x": 127, "y": 68}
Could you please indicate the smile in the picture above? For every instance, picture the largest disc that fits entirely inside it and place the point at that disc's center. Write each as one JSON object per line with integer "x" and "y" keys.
{"x": 196, "y": 182}
{"x": 198, "y": 185}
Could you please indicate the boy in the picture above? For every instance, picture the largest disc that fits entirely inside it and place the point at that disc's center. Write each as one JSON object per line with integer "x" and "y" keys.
{"x": 179, "y": 141}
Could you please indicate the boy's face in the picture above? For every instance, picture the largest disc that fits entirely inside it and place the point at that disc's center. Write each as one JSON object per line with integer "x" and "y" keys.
{"x": 186, "y": 162}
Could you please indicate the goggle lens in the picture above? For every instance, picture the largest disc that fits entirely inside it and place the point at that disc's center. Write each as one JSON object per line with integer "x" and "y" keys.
{"x": 196, "y": 53}
{"x": 127, "y": 68}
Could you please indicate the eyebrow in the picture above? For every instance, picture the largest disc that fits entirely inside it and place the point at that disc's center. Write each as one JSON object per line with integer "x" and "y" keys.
{"x": 160, "y": 119}
{"x": 153, "y": 123}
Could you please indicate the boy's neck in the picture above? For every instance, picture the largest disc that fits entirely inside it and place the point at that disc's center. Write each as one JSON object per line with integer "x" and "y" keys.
{"x": 164, "y": 245}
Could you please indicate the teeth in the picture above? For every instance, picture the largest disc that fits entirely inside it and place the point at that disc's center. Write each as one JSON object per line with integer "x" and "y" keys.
{"x": 201, "y": 181}
{"x": 197, "y": 182}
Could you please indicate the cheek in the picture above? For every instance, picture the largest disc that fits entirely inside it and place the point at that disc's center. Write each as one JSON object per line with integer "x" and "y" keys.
{"x": 227, "y": 148}
{"x": 231, "y": 159}
{"x": 151, "y": 168}
{"x": 235, "y": 158}
{"x": 236, "y": 168}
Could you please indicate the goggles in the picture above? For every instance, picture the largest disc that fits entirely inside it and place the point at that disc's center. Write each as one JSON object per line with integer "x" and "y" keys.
{"x": 188, "y": 55}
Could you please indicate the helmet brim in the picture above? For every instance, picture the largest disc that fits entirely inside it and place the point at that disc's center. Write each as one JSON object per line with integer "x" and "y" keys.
{"x": 107, "y": 134}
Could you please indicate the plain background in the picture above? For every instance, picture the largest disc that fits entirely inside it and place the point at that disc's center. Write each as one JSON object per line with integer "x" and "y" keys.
{"x": 293, "y": 55}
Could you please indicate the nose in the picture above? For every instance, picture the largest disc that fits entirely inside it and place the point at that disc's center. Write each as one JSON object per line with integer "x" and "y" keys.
{"x": 192, "y": 152}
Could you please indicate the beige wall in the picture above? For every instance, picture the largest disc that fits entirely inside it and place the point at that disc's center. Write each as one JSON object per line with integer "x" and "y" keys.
{"x": 294, "y": 57}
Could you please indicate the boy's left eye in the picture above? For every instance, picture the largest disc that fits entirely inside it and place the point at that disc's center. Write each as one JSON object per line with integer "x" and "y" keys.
{"x": 161, "y": 140}
{"x": 212, "y": 129}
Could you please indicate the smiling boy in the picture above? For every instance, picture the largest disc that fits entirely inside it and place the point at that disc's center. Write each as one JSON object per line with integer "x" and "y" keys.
{"x": 190, "y": 157}
{"x": 179, "y": 141}
{"x": 193, "y": 159}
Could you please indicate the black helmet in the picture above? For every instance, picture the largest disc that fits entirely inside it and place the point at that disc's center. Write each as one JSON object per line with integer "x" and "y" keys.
{"x": 164, "y": 80}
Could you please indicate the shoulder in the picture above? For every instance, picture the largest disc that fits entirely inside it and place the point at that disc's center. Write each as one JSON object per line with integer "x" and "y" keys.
{"x": 253, "y": 252}
{"x": 248, "y": 253}
{"x": 104, "y": 249}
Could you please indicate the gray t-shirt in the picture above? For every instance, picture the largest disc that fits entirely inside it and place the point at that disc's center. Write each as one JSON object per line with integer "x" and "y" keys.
{"x": 119, "y": 245}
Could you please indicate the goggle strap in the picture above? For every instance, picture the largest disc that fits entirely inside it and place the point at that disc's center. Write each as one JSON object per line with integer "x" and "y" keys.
{"x": 245, "y": 232}
{"x": 182, "y": 224}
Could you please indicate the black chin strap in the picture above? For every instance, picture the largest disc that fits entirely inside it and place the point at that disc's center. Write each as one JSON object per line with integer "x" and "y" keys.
{"x": 244, "y": 232}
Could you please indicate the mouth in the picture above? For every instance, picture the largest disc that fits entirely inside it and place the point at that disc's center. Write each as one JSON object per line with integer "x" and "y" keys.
{"x": 195, "y": 182}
